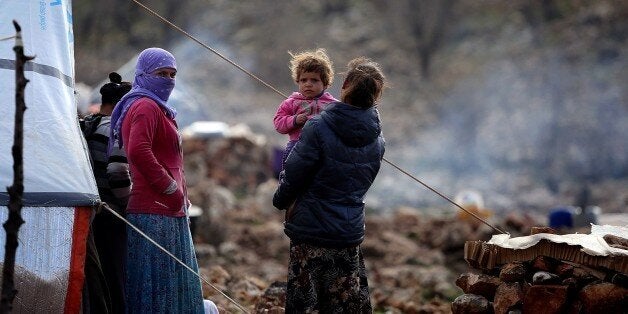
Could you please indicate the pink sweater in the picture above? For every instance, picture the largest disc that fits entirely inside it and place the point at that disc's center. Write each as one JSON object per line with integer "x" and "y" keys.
{"x": 295, "y": 104}
{"x": 152, "y": 146}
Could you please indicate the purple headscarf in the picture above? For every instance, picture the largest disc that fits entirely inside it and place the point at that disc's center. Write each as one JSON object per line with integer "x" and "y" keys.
{"x": 145, "y": 84}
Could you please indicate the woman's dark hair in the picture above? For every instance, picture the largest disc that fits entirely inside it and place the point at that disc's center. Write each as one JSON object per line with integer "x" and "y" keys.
{"x": 114, "y": 90}
{"x": 363, "y": 83}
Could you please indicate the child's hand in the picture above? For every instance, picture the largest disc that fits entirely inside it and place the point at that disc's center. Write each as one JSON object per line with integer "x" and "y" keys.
{"x": 300, "y": 119}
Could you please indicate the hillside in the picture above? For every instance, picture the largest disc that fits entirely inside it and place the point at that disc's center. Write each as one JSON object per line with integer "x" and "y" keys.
{"x": 523, "y": 101}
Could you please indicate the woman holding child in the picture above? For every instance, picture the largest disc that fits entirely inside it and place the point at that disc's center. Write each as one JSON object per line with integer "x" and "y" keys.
{"x": 326, "y": 176}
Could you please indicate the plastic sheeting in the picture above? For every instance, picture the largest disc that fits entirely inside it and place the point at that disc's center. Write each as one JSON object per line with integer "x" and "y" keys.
{"x": 49, "y": 258}
{"x": 592, "y": 244}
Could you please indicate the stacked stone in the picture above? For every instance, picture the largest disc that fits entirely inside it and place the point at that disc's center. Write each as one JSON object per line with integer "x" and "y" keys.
{"x": 542, "y": 285}
{"x": 238, "y": 163}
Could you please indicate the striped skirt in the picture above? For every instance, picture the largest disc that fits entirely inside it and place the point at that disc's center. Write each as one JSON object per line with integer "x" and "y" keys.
{"x": 155, "y": 282}
{"x": 326, "y": 280}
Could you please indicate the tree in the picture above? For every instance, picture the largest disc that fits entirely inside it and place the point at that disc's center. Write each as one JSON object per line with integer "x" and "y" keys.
{"x": 428, "y": 20}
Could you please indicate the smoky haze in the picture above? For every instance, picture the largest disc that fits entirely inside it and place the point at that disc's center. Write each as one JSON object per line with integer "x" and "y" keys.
{"x": 517, "y": 132}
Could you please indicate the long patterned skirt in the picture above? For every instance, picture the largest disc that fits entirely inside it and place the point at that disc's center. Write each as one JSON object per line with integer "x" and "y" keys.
{"x": 325, "y": 280}
{"x": 156, "y": 283}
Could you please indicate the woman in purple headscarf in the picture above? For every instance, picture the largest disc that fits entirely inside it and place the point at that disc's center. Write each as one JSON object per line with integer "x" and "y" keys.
{"x": 143, "y": 124}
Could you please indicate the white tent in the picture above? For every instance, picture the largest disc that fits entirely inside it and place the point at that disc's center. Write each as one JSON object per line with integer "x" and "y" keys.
{"x": 59, "y": 188}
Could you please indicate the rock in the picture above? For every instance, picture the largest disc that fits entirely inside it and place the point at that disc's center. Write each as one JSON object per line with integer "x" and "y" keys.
{"x": 604, "y": 297}
{"x": 481, "y": 284}
{"x": 547, "y": 299}
{"x": 248, "y": 289}
{"x": 618, "y": 279}
{"x": 407, "y": 216}
{"x": 273, "y": 299}
{"x": 544, "y": 263}
{"x": 571, "y": 284}
{"x": 564, "y": 270}
{"x": 508, "y": 296}
{"x": 544, "y": 278}
{"x": 512, "y": 272}
{"x": 401, "y": 297}
{"x": 471, "y": 304}
{"x": 218, "y": 275}
{"x": 585, "y": 275}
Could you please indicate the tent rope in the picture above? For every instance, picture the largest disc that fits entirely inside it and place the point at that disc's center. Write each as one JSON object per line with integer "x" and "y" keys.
{"x": 285, "y": 96}
{"x": 104, "y": 205}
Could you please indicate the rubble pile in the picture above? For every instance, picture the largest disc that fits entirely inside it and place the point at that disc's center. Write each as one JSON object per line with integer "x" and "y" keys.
{"x": 238, "y": 162}
{"x": 549, "y": 277}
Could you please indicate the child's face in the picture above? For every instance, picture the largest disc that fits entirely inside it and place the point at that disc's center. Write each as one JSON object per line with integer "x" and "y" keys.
{"x": 310, "y": 84}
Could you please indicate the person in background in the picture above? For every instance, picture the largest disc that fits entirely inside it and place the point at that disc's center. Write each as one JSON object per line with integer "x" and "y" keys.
{"x": 113, "y": 182}
{"x": 326, "y": 176}
{"x": 143, "y": 123}
{"x": 313, "y": 73}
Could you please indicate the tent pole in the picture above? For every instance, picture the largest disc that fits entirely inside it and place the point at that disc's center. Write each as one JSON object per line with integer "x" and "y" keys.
{"x": 14, "y": 220}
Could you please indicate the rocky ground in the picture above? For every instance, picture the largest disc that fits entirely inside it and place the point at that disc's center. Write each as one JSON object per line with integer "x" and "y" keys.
{"x": 412, "y": 258}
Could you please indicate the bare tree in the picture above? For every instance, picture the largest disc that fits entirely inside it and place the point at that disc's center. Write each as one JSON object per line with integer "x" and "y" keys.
{"x": 429, "y": 20}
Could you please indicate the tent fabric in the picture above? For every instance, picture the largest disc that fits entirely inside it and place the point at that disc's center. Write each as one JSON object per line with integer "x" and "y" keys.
{"x": 59, "y": 186}
{"x": 55, "y": 158}
{"x": 49, "y": 261}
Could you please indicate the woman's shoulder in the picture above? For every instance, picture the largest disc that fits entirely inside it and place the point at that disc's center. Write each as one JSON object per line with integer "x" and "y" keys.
{"x": 144, "y": 105}
{"x": 146, "y": 101}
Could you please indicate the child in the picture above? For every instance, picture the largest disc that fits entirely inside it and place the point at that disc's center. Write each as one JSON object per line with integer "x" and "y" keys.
{"x": 313, "y": 73}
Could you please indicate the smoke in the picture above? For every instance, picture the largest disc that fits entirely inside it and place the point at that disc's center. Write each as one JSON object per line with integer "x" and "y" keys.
{"x": 517, "y": 132}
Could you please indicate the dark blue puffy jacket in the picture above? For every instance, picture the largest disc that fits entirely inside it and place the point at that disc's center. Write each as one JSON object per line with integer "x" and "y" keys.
{"x": 327, "y": 175}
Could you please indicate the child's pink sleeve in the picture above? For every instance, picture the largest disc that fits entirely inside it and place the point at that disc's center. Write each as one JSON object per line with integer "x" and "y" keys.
{"x": 284, "y": 118}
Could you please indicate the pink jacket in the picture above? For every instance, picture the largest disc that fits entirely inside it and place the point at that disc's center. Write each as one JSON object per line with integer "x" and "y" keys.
{"x": 295, "y": 104}
{"x": 153, "y": 149}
